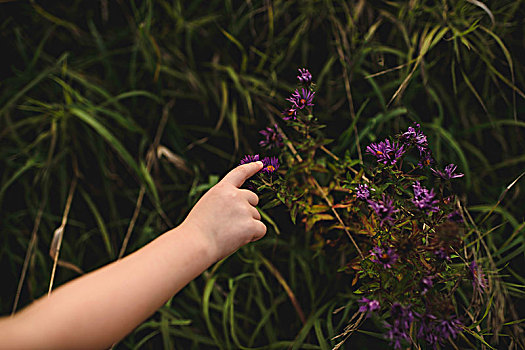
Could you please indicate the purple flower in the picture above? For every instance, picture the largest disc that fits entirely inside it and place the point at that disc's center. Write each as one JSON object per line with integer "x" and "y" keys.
{"x": 415, "y": 136}
{"x": 447, "y": 328}
{"x": 399, "y": 330}
{"x": 424, "y": 199}
{"x": 426, "y": 284}
{"x": 301, "y": 100}
{"x": 447, "y": 173}
{"x": 479, "y": 282}
{"x": 272, "y": 138}
{"x": 425, "y": 158}
{"x": 363, "y": 191}
{"x": 426, "y": 329}
{"x": 386, "y": 152}
{"x": 304, "y": 76}
{"x": 249, "y": 159}
{"x": 385, "y": 257}
{"x": 270, "y": 165}
{"x": 368, "y": 305}
{"x": 290, "y": 113}
{"x": 383, "y": 209}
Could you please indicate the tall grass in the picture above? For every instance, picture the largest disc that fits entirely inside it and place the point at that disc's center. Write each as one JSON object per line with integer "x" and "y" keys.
{"x": 129, "y": 111}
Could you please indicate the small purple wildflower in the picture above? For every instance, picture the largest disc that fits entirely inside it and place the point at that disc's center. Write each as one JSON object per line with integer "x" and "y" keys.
{"x": 425, "y": 158}
{"x": 479, "y": 282}
{"x": 427, "y": 329}
{"x": 301, "y": 100}
{"x": 447, "y": 328}
{"x": 415, "y": 136}
{"x": 368, "y": 305}
{"x": 447, "y": 173}
{"x": 424, "y": 199}
{"x": 426, "y": 284}
{"x": 270, "y": 165}
{"x": 399, "y": 330}
{"x": 304, "y": 76}
{"x": 386, "y": 258}
{"x": 249, "y": 159}
{"x": 386, "y": 152}
{"x": 383, "y": 208}
{"x": 290, "y": 113}
{"x": 272, "y": 138}
{"x": 363, "y": 191}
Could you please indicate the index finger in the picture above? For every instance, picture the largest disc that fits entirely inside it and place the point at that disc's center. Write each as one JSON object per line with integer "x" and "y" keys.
{"x": 242, "y": 173}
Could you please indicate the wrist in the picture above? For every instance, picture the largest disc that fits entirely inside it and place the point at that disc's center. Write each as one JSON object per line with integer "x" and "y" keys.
{"x": 201, "y": 239}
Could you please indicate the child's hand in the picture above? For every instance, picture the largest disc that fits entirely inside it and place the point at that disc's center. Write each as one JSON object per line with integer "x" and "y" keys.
{"x": 226, "y": 217}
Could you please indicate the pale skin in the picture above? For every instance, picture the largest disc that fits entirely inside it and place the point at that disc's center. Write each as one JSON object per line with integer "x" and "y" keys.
{"x": 100, "y": 308}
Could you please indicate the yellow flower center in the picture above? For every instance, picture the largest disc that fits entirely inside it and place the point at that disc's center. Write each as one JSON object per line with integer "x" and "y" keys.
{"x": 270, "y": 168}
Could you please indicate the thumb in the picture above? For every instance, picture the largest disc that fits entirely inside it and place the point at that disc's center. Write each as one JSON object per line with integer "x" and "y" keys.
{"x": 242, "y": 173}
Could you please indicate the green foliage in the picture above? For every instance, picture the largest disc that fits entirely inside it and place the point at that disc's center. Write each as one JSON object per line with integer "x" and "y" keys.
{"x": 146, "y": 103}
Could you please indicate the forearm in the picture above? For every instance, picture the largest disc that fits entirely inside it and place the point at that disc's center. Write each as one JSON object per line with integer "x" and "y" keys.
{"x": 100, "y": 308}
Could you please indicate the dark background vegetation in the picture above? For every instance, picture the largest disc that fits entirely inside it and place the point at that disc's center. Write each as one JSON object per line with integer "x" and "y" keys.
{"x": 140, "y": 106}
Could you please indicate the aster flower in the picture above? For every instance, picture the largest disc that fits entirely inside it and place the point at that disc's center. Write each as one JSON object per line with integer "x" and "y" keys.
{"x": 383, "y": 208}
{"x": 424, "y": 199}
{"x": 415, "y": 136}
{"x": 399, "y": 330}
{"x": 301, "y": 100}
{"x": 368, "y": 305}
{"x": 426, "y": 329}
{"x": 447, "y": 328}
{"x": 447, "y": 173}
{"x": 270, "y": 165}
{"x": 386, "y": 152}
{"x": 385, "y": 257}
{"x": 363, "y": 191}
{"x": 272, "y": 138}
{"x": 304, "y": 76}
{"x": 290, "y": 113}
{"x": 425, "y": 158}
{"x": 479, "y": 282}
{"x": 249, "y": 159}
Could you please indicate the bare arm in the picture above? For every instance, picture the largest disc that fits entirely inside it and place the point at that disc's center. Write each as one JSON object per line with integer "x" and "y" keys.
{"x": 100, "y": 308}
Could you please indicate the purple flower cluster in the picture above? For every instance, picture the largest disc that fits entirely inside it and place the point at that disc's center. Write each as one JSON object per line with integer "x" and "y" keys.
{"x": 399, "y": 330}
{"x": 383, "y": 208}
{"x": 272, "y": 138}
{"x": 385, "y": 257}
{"x": 368, "y": 305}
{"x": 414, "y": 136}
{"x": 436, "y": 331}
{"x": 447, "y": 173}
{"x": 363, "y": 192}
{"x": 270, "y": 164}
{"x": 300, "y": 100}
{"x": 386, "y": 152}
{"x": 424, "y": 199}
